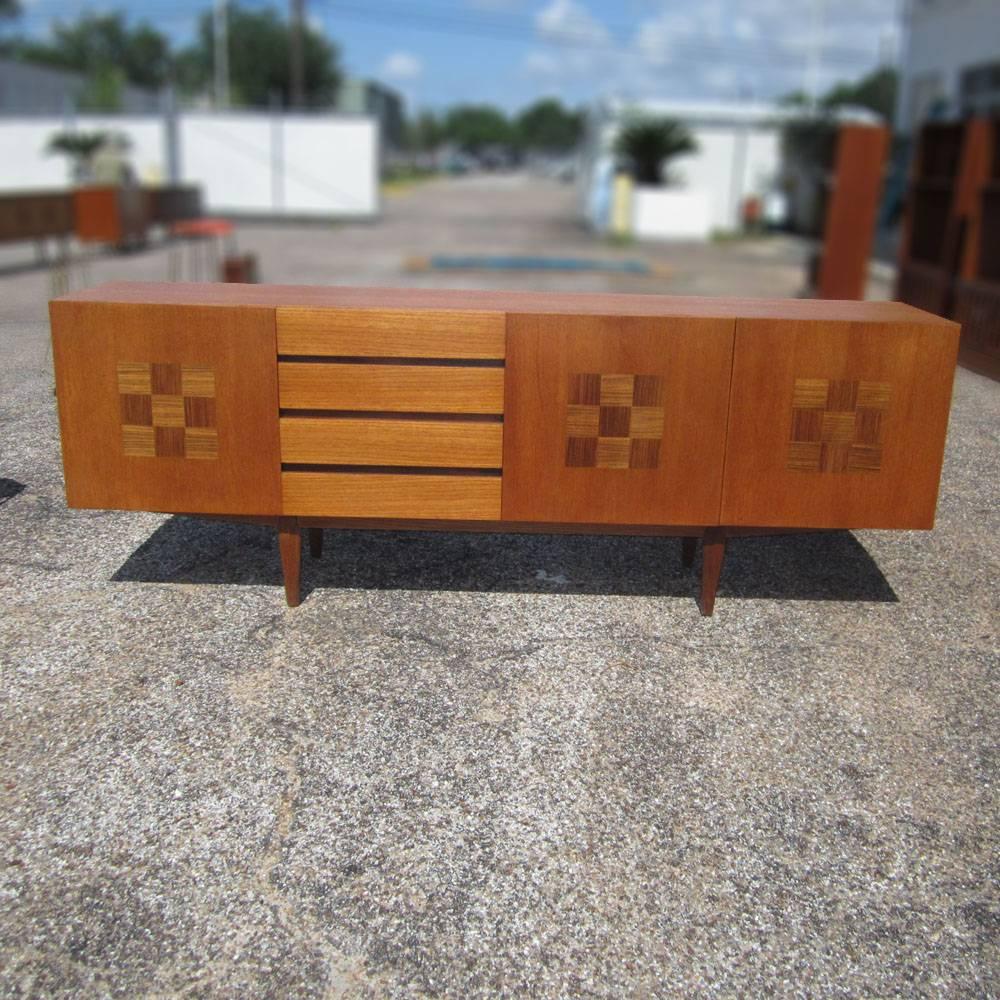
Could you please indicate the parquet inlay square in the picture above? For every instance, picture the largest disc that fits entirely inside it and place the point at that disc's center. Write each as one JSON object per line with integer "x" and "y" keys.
{"x": 836, "y": 425}
{"x": 614, "y": 421}
{"x": 167, "y": 410}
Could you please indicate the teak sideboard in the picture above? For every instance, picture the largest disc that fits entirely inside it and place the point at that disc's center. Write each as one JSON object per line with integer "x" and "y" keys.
{"x": 312, "y": 407}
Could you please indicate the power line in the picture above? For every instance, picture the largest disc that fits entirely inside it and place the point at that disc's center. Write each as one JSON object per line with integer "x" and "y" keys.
{"x": 498, "y": 26}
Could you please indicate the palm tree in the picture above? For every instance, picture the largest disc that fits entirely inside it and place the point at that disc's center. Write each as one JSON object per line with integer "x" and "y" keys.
{"x": 80, "y": 148}
{"x": 648, "y": 143}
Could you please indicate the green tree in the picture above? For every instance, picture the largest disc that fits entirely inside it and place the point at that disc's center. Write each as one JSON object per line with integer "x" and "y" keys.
{"x": 549, "y": 126}
{"x": 811, "y": 139}
{"x": 10, "y": 8}
{"x": 876, "y": 91}
{"x": 425, "y": 133}
{"x": 648, "y": 144}
{"x": 97, "y": 44}
{"x": 259, "y": 59}
{"x": 473, "y": 127}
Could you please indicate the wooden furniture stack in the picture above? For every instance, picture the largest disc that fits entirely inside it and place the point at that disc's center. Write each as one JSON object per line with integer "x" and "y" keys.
{"x": 309, "y": 408}
{"x": 977, "y": 289}
{"x": 35, "y": 215}
{"x": 117, "y": 215}
{"x": 949, "y": 260}
{"x": 851, "y": 211}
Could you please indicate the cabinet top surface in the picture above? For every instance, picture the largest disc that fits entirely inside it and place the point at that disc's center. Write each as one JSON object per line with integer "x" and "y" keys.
{"x": 562, "y": 303}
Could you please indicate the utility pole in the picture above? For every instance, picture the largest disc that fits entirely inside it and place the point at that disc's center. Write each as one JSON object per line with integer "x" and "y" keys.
{"x": 296, "y": 53}
{"x": 220, "y": 36}
{"x": 814, "y": 63}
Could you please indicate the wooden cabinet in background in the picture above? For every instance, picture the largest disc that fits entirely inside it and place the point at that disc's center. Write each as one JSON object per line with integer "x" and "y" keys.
{"x": 949, "y": 260}
{"x": 494, "y": 411}
{"x": 851, "y": 211}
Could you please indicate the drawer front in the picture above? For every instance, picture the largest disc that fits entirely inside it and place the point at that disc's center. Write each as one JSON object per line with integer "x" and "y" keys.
{"x": 390, "y": 333}
{"x": 836, "y": 424}
{"x": 390, "y": 413}
{"x": 390, "y": 388}
{"x": 452, "y": 444}
{"x": 369, "y": 495}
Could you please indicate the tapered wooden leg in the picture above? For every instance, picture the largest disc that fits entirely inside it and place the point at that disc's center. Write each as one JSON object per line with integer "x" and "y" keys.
{"x": 713, "y": 551}
{"x": 290, "y": 545}
{"x": 316, "y": 542}
{"x": 688, "y": 548}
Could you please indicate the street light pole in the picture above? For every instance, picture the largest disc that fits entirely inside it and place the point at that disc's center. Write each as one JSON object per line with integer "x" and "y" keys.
{"x": 220, "y": 36}
{"x": 815, "y": 60}
{"x": 296, "y": 41}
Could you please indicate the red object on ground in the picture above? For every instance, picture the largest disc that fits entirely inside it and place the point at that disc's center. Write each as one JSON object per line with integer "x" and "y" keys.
{"x": 193, "y": 228}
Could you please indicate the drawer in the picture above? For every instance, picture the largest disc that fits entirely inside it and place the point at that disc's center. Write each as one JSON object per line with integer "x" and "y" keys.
{"x": 390, "y": 333}
{"x": 368, "y": 494}
{"x": 470, "y": 444}
{"x": 391, "y": 388}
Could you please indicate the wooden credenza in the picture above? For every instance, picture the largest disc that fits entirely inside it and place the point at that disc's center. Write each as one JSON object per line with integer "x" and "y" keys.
{"x": 498, "y": 411}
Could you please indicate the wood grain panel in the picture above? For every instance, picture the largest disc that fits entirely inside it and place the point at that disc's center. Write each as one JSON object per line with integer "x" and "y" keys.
{"x": 192, "y": 454}
{"x": 521, "y": 303}
{"x": 876, "y": 441}
{"x": 660, "y": 428}
{"x": 850, "y": 216}
{"x": 359, "y": 441}
{"x": 391, "y": 333}
{"x": 394, "y": 388}
{"x": 366, "y": 494}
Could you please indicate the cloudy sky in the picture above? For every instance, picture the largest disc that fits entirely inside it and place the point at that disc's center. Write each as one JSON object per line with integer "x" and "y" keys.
{"x": 511, "y": 51}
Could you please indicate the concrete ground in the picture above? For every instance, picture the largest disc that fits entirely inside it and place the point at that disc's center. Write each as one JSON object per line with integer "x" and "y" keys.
{"x": 489, "y": 766}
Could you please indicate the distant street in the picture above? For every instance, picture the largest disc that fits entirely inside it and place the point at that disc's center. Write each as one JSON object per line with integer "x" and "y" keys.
{"x": 492, "y": 214}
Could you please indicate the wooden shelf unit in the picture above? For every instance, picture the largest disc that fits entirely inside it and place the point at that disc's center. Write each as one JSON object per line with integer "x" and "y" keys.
{"x": 851, "y": 209}
{"x": 310, "y": 407}
{"x": 949, "y": 260}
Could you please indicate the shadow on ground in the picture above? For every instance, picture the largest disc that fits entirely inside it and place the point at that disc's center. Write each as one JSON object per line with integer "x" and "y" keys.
{"x": 9, "y": 488}
{"x": 827, "y": 566}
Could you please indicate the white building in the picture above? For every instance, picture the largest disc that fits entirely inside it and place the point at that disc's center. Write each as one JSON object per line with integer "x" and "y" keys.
{"x": 246, "y": 162}
{"x": 951, "y": 60}
{"x": 739, "y": 155}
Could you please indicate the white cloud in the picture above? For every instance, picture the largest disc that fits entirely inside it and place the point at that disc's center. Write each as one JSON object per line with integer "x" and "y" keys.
{"x": 704, "y": 48}
{"x": 569, "y": 21}
{"x": 402, "y": 66}
{"x": 541, "y": 64}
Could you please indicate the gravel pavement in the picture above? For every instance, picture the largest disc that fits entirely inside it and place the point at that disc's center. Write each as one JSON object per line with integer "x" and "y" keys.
{"x": 480, "y": 766}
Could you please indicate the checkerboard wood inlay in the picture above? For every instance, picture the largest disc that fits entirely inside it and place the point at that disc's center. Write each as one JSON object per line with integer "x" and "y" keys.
{"x": 837, "y": 425}
{"x": 167, "y": 410}
{"x": 614, "y": 421}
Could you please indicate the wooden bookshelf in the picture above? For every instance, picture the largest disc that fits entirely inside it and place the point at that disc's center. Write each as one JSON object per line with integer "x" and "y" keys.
{"x": 850, "y": 211}
{"x": 977, "y": 290}
{"x": 949, "y": 259}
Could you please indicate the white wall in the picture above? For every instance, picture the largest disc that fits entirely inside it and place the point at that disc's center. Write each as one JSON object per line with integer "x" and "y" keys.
{"x": 229, "y": 155}
{"x": 24, "y": 164}
{"x": 335, "y": 165}
{"x": 245, "y": 162}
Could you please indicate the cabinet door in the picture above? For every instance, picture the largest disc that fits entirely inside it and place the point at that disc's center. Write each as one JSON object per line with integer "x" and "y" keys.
{"x": 837, "y": 424}
{"x": 615, "y": 420}
{"x": 168, "y": 408}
